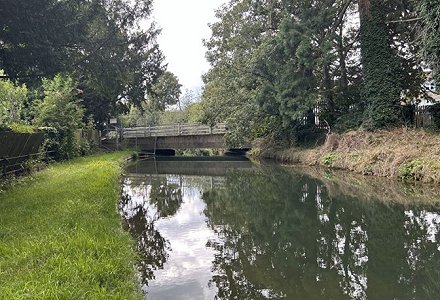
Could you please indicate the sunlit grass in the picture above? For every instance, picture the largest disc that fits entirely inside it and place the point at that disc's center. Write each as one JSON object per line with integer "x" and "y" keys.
{"x": 61, "y": 235}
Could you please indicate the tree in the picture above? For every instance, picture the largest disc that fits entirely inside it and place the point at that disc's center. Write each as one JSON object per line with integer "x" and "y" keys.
{"x": 100, "y": 43}
{"x": 123, "y": 61}
{"x": 40, "y": 38}
{"x": 429, "y": 34}
{"x": 273, "y": 62}
{"x": 382, "y": 75}
{"x": 230, "y": 85}
{"x": 165, "y": 92}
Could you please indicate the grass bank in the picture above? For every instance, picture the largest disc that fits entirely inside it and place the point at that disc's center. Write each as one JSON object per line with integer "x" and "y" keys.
{"x": 407, "y": 154}
{"x": 61, "y": 234}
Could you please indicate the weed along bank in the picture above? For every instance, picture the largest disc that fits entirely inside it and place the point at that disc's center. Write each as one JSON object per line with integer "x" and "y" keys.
{"x": 404, "y": 154}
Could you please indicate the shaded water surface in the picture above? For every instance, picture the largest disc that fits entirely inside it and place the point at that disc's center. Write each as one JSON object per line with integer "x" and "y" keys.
{"x": 234, "y": 230}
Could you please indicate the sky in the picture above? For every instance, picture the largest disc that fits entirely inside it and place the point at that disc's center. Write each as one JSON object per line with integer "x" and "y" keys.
{"x": 184, "y": 24}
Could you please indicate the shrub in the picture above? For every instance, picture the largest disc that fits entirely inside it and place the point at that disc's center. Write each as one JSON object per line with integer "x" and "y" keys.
{"x": 12, "y": 99}
{"x": 328, "y": 159}
{"x": 62, "y": 111}
{"x": 411, "y": 170}
{"x": 21, "y": 128}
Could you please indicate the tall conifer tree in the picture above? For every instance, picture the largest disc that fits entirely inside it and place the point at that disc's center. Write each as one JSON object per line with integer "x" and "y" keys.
{"x": 381, "y": 89}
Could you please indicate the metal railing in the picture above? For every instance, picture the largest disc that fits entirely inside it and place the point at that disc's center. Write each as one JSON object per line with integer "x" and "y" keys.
{"x": 174, "y": 130}
{"x": 17, "y": 164}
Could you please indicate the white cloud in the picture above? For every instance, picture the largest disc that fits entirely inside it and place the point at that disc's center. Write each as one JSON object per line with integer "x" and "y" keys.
{"x": 184, "y": 24}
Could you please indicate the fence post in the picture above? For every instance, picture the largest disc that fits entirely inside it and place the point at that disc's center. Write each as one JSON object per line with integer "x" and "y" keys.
{"x": 117, "y": 138}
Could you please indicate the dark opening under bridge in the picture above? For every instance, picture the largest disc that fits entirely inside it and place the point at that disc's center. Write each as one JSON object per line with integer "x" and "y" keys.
{"x": 175, "y": 136}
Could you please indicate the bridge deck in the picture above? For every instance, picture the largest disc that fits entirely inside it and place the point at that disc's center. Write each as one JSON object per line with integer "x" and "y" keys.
{"x": 174, "y": 130}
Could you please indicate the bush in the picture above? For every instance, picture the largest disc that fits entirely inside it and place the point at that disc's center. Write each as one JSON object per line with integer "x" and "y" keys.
{"x": 61, "y": 110}
{"x": 328, "y": 159}
{"x": 21, "y": 128}
{"x": 411, "y": 170}
{"x": 12, "y": 99}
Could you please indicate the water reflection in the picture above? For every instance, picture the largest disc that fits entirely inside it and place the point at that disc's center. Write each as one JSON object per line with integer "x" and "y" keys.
{"x": 140, "y": 217}
{"x": 273, "y": 233}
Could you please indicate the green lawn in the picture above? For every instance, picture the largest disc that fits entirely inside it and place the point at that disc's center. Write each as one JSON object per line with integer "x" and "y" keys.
{"x": 61, "y": 235}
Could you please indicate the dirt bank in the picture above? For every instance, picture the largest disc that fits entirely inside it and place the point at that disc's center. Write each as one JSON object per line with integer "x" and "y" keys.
{"x": 407, "y": 154}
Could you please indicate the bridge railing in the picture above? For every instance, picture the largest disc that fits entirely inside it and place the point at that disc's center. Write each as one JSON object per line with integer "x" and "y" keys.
{"x": 174, "y": 130}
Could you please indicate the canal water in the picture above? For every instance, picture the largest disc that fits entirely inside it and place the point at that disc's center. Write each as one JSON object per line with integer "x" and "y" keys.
{"x": 231, "y": 229}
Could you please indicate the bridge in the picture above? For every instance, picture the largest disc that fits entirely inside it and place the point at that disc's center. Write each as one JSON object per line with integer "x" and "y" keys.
{"x": 175, "y": 136}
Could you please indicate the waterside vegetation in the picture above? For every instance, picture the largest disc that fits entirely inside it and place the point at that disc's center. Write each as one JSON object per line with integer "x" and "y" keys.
{"x": 407, "y": 154}
{"x": 285, "y": 71}
{"x": 61, "y": 234}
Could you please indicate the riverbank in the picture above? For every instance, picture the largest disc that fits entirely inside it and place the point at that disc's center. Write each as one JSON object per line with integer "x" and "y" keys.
{"x": 61, "y": 235}
{"x": 407, "y": 154}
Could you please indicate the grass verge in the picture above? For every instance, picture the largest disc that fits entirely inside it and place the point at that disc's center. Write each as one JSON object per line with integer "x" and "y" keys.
{"x": 61, "y": 234}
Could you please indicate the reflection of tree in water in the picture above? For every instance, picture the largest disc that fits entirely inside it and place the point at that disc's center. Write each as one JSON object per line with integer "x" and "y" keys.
{"x": 166, "y": 197}
{"x": 163, "y": 200}
{"x": 282, "y": 237}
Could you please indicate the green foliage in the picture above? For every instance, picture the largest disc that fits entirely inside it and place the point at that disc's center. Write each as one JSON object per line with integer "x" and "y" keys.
{"x": 61, "y": 110}
{"x": 100, "y": 43}
{"x": 194, "y": 113}
{"x": 281, "y": 60}
{"x": 289, "y": 82}
{"x": 135, "y": 156}
{"x": 165, "y": 92}
{"x": 230, "y": 85}
{"x": 328, "y": 159}
{"x": 12, "y": 100}
{"x": 274, "y": 62}
{"x": 381, "y": 87}
{"x": 21, "y": 128}
{"x": 410, "y": 170}
{"x": 18, "y": 128}
{"x": 135, "y": 117}
{"x": 352, "y": 120}
{"x": 429, "y": 33}
{"x": 191, "y": 113}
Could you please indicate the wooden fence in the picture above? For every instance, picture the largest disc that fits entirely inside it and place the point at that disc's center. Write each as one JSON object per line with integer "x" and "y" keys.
{"x": 423, "y": 117}
{"x": 91, "y": 136}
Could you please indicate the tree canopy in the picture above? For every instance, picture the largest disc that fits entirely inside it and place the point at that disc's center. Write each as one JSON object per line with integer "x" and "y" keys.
{"x": 277, "y": 65}
{"x": 101, "y": 44}
{"x": 165, "y": 92}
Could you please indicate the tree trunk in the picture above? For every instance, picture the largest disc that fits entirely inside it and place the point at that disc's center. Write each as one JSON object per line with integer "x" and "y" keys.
{"x": 328, "y": 94}
{"x": 364, "y": 8}
{"x": 341, "y": 53}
